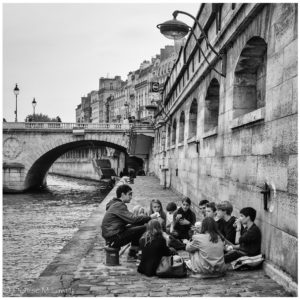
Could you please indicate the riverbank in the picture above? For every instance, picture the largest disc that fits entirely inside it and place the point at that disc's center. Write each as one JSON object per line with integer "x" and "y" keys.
{"x": 79, "y": 269}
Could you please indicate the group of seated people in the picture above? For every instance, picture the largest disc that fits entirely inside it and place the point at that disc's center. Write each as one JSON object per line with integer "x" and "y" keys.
{"x": 216, "y": 239}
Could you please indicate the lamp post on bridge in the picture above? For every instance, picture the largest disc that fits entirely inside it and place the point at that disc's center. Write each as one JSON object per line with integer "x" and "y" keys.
{"x": 16, "y": 92}
{"x": 34, "y": 103}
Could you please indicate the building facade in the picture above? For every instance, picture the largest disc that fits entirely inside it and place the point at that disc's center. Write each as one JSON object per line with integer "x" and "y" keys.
{"x": 225, "y": 137}
{"x": 107, "y": 104}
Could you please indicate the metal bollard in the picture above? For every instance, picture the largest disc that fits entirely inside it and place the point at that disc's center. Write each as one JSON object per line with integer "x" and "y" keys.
{"x": 112, "y": 256}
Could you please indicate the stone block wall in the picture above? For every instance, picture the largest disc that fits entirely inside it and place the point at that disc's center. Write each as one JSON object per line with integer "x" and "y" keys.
{"x": 244, "y": 152}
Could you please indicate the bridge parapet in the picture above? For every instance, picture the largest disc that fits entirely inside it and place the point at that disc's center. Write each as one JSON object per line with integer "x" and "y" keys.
{"x": 64, "y": 126}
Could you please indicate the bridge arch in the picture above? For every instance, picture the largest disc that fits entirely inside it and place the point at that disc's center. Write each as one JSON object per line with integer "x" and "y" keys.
{"x": 37, "y": 172}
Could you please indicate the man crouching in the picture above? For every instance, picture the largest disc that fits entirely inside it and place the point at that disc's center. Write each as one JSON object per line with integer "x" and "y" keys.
{"x": 115, "y": 229}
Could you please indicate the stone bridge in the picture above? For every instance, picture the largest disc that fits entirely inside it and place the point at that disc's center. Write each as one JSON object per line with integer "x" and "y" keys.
{"x": 29, "y": 149}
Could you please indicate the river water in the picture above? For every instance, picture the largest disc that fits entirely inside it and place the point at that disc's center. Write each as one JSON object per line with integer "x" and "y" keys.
{"x": 37, "y": 225}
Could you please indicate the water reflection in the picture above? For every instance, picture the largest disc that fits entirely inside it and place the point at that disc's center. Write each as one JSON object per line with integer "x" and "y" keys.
{"x": 38, "y": 224}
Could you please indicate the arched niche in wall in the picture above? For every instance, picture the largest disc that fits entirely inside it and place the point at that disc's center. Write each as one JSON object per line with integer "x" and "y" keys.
{"x": 193, "y": 114}
{"x": 181, "y": 127}
{"x": 212, "y": 101}
{"x": 174, "y": 129}
{"x": 250, "y": 77}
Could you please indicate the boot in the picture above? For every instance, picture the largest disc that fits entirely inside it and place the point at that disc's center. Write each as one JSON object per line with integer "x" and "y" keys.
{"x": 132, "y": 255}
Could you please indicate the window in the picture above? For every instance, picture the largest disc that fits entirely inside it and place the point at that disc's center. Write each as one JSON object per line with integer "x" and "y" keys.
{"x": 181, "y": 127}
{"x": 169, "y": 136}
{"x": 249, "y": 87}
{"x": 174, "y": 128}
{"x": 193, "y": 119}
{"x": 111, "y": 85}
{"x": 211, "y": 110}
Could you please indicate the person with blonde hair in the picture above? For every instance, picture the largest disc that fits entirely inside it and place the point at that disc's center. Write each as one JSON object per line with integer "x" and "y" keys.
{"x": 154, "y": 247}
{"x": 139, "y": 210}
{"x": 156, "y": 206}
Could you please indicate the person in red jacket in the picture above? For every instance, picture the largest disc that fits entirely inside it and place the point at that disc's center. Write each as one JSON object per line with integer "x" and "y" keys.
{"x": 115, "y": 229}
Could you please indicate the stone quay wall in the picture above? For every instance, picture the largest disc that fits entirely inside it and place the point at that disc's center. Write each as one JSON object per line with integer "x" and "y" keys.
{"x": 243, "y": 146}
{"x": 80, "y": 165}
{"x": 82, "y": 170}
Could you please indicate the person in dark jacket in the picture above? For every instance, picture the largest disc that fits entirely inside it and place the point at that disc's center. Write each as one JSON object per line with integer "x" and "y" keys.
{"x": 184, "y": 220}
{"x": 248, "y": 239}
{"x": 226, "y": 220}
{"x": 115, "y": 223}
{"x": 154, "y": 247}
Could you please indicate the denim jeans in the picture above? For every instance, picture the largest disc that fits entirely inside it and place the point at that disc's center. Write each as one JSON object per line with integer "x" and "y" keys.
{"x": 233, "y": 255}
{"x": 130, "y": 235}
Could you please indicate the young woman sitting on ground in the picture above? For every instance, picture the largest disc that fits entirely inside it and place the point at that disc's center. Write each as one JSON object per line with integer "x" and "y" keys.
{"x": 206, "y": 251}
{"x": 154, "y": 247}
{"x": 184, "y": 218}
{"x": 156, "y": 206}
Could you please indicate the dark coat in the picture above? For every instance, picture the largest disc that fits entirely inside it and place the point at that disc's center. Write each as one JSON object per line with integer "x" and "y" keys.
{"x": 117, "y": 216}
{"x": 250, "y": 240}
{"x": 183, "y": 230}
{"x": 227, "y": 229}
{"x": 152, "y": 254}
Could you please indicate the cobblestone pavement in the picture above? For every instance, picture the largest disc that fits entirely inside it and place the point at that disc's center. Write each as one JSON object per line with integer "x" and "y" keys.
{"x": 92, "y": 277}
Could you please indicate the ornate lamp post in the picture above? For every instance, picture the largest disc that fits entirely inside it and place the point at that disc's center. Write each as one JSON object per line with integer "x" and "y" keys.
{"x": 174, "y": 29}
{"x": 16, "y": 92}
{"x": 34, "y": 103}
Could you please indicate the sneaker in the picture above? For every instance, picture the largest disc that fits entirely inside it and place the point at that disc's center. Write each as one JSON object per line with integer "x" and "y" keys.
{"x": 131, "y": 258}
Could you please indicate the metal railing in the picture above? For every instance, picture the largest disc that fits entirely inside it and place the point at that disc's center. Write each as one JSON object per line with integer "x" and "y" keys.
{"x": 64, "y": 126}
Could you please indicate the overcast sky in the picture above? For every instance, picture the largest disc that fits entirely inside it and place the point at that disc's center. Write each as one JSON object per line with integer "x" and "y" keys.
{"x": 57, "y": 52}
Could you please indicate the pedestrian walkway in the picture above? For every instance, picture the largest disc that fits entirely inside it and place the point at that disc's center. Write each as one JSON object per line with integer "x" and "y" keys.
{"x": 77, "y": 272}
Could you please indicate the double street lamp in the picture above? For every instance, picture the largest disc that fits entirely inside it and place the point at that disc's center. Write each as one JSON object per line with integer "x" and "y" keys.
{"x": 34, "y": 103}
{"x": 16, "y": 92}
{"x": 174, "y": 29}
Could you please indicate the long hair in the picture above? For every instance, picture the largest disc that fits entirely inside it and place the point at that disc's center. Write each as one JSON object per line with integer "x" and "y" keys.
{"x": 162, "y": 213}
{"x": 209, "y": 226}
{"x": 153, "y": 231}
{"x": 139, "y": 210}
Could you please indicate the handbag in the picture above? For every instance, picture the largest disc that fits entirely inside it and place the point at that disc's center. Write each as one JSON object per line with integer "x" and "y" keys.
{"x": 168, "y": 268}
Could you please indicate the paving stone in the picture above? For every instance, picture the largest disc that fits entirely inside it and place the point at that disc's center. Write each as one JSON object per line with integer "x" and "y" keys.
{"x": 145, "y": 294}
{"x": 179, "y": 293}
{"x": 158, "y": 294}
{"x": 195, "y": 293}
{"x": 80, "y": 292}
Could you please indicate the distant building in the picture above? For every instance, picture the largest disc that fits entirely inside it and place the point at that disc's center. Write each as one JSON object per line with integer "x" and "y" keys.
{"x": 78, "y": 113}
{"x": 107, "y": 90}
{"x": 86, "y": 108}
{"x": 95, "y": 107}
{"x": 107, "y": 104}
{"x": 118, "y": 109}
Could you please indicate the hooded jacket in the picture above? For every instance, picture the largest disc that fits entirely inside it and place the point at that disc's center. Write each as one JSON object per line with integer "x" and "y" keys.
{"x": 117, "y": 216}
